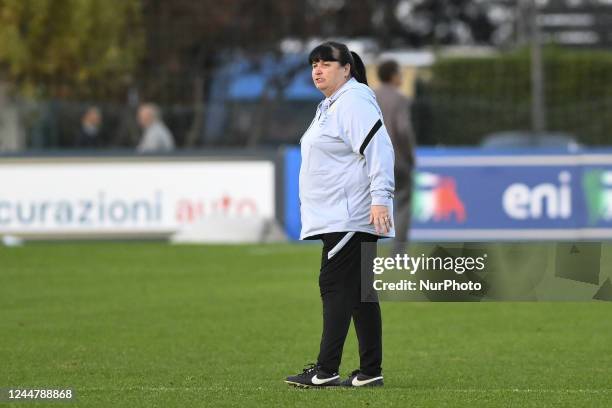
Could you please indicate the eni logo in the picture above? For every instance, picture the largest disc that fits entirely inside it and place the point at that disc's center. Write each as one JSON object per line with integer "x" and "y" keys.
{"x": 545, "y": 200}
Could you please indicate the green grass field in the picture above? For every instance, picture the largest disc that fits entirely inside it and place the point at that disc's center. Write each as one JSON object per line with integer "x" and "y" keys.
{"x": 149, "y": 324}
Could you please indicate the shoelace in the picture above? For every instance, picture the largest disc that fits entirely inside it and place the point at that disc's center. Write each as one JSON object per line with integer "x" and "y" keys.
{"x": 309, "y": 368}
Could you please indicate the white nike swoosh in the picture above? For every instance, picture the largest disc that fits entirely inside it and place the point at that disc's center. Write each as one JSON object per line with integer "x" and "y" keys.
{"x": 317, "y": 381}
{"x": 358, "y": 383}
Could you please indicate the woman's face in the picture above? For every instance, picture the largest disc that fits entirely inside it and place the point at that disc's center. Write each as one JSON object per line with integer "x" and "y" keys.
{"x": 329, "y": 76}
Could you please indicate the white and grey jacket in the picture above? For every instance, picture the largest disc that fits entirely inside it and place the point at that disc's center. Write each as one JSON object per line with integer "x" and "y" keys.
{"x": 347, "y": 164}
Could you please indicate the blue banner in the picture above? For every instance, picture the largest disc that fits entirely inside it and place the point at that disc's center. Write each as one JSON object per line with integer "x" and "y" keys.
{"x": 481, "y": 195}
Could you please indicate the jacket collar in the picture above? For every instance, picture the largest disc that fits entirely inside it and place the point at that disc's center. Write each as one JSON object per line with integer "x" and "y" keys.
{"x": 326, "y": 103}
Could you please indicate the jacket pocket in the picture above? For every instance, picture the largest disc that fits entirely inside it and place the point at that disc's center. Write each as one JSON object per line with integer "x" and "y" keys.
{"x": 349, "y": 211}
{"x": 323, "y": 206}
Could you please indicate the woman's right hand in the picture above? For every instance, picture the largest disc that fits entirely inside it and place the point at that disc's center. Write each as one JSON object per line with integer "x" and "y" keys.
{"x": 379, "y": 216}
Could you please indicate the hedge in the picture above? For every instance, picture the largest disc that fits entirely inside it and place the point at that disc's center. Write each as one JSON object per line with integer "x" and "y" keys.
{"x": 467, "y": 98}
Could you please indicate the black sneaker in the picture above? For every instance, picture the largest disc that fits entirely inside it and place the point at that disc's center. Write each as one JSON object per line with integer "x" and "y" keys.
{"x": 358, "y": 379}
{"x": 314, "y": 376}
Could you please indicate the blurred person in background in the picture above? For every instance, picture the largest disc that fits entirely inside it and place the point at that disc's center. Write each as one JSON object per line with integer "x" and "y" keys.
{"x": 156, "y": 137}
{"x": 346, "y": 195}
{"x": 88, "y": 135}
{"x": 396, "y": 113}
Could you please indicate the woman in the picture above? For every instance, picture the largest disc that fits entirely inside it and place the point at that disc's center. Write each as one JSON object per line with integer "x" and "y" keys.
{"x": 346, "y": 194}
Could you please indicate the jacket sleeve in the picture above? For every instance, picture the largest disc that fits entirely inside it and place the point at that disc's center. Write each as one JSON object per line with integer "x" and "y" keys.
{"x": 362, "y": 128}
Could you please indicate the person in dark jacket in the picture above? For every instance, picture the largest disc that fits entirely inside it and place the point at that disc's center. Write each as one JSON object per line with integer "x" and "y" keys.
{"x": 88, "y": 135}
{"x": 396, "y": 114}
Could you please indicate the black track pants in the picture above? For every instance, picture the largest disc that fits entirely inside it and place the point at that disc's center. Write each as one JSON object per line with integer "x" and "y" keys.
{"x": 340, "y": 286}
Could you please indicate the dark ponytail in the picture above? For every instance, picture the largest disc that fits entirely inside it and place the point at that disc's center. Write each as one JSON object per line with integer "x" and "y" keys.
{"x": 358, "y": 70}
{"x": 335, "y": 51}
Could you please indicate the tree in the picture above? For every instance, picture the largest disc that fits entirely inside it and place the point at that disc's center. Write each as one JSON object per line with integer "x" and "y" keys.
{"x": 70, "y": 48}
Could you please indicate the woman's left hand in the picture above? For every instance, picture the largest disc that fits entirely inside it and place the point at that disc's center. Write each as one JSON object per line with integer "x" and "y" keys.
{"x": 379, "y": 216}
